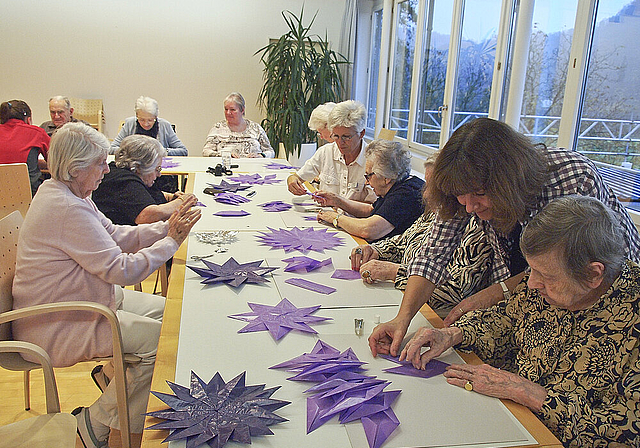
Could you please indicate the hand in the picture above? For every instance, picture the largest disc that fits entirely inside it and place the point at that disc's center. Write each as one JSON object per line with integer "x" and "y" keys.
{"x": 326, "y": 216}
{"x": 295, "y": 185}
{"x": 387, "y": 337}
{"x": 253, "y": 155}
{"x": 234, "y": 155}
{"x": 182, "y": 220}
{"x": 379, "y": 270}
{"x": 437, "y": 340}
{"x": 326, "y": 198}
{"x": 497, "y": 383}
{"x": 480, "y": 300}
{"x": 362, "y": 254}
{"x": 177, "y": 195}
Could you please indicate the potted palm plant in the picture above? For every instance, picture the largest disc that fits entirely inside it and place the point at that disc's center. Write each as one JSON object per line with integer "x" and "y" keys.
{"x": 300, "y": 72}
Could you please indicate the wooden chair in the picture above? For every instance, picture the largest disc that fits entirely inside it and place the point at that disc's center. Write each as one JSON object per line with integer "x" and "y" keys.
{"x": 52, "y": 429}
{"x": 15, "y": 187}
{"x": 91, "y": 111}
{"x": 386, "y": 134}
{"x": 162, "y": 277}
{"x": 9, "y": 231}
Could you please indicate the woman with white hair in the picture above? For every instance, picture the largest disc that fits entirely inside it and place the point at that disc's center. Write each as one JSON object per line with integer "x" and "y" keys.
{"x": 319, "y": 120}
{"x": 128, "y": 194}
{"x": 338, "y": 165}
{"x": 146, "y": 122}
{"x": 68, "y": 250}
{"x": 399, "y": 203}
{"x": 236, "y": 134}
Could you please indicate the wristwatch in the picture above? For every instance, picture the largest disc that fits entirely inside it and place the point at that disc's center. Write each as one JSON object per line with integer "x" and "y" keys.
{"x": 335, "y": 222}
{"x": 505, "y": 291}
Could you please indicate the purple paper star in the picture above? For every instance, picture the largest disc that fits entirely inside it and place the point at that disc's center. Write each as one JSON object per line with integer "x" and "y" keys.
{"x": 344, "y": 391}
{"x": 275, "y": 206}
{"x": 255, "y": 179}
{"x": 230, "y": 198}
{"x": 304, "y": 263}
{"x": 232, "y": 272}
{"x": 280, "y": 319}
{"x": 216, "y": 412}
{"x": 279, "y": 166}
{"x": 433, "y": 368}
{"x": 225, "y": 186}
{"x": 302, "y": 240}
{"x": 169, "y": 163}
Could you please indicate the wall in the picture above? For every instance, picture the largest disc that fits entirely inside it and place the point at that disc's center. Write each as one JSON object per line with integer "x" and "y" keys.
{"x": 187, "y": 55}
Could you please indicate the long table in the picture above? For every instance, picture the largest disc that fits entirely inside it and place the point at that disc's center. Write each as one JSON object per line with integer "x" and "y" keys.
{"x": 197, "y": 335}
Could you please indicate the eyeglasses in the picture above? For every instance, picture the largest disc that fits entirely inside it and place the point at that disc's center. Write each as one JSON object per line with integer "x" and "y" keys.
{"x": 344, "y": 138}
{"x": 367, "y": 176}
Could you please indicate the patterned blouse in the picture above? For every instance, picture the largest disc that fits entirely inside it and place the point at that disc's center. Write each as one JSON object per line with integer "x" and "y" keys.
{"x": 588, "y": 360}
{"x": 569, "y": 173}
{"x": 252, "y": 140}
{"x": 468, "y": 268}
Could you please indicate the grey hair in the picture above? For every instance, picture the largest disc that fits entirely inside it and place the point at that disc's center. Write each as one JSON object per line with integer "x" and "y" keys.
{"x": 584, "y": 231}
{"x": 148, "y": 105}
{"x": 236, "y": 98}
{"x": 64, "y": 99}
{"x": 75, "y": 147}
{"x": 348, "y": 114}
{"x": 320, "y": 116}
{"x": 390, "y": 159}
{"x": 139, "y": 153}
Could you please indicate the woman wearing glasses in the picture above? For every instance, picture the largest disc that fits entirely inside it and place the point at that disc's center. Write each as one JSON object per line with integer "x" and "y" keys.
{"x": 128, "y": 194}
{"x": 399, "y": 203}
{"x": 340, "y": 164}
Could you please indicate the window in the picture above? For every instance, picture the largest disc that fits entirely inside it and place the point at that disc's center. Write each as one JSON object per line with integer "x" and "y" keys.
{"x": 374, "y": 67}
{"x": 609, "y": 124}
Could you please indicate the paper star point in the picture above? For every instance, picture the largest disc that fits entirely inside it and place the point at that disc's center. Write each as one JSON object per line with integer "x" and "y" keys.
{"x": 303, "y": 240}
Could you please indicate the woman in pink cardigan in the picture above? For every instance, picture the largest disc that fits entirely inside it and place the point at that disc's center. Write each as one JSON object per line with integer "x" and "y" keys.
{"x": 68, "y": 250}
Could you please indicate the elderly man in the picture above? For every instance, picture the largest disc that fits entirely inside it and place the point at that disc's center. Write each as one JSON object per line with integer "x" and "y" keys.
{"x": 61, "y": 113}
{"x": 567, "y": 340}
{"x": 339, "y": 164}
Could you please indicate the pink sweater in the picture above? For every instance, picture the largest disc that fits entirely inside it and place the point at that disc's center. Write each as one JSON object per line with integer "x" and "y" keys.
{"x": 68, "y": 250}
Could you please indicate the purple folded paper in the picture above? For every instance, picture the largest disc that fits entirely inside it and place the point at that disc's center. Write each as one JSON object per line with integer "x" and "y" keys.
{"x": 433, "y": 368}
{"x": 346, "y": 274}
{"x": 302, "y": 240}
{"x": 255, "y": 179}
{"x": 280, "y": 319}
{"x": 279, "y": 166}
{"x": 231, "y": 198}
{"x": 225, "y": 186}
{"x": 310, "y": 218}
{"x": 304, "y": 264}
{"x": 232, "y": 272}
{"x": 199, "y": 204}
{"x": 194, "y": 413}
{"x": 167, "y": 162}
{"x": 231, "y": 213}
{"x": 275, "y": 206}
{"x": 344, "y": 391}
{"x": 311, "y": 286}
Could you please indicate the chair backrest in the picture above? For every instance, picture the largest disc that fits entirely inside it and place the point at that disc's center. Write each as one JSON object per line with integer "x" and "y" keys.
{"x": 15, "y": 187}
{"x": 9, "y": 231}
{"x": 91, "y": 111}
{"x": 386, "y": 134}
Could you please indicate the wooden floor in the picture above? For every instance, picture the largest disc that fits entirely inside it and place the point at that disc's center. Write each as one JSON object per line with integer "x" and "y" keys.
{"x": 75, "y": 388}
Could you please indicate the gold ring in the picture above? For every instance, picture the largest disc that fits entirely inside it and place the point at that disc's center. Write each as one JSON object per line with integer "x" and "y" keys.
{"x": 461, "y": 310}
{"x": 358, "y": 250}
{"x": 366, "y": 273}
{"x": 469, "y": 386}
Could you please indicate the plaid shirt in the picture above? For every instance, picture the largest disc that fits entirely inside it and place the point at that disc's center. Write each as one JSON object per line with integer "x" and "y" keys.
{"x": 570, "y": 173}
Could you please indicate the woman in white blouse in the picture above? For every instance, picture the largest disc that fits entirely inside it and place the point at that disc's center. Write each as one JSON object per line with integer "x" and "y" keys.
{"x": 236, "y": 134}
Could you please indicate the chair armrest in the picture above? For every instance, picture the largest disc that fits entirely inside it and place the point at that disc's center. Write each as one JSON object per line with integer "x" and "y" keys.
{"x": 50, "y": 386}
{"x": 118, "y": 358}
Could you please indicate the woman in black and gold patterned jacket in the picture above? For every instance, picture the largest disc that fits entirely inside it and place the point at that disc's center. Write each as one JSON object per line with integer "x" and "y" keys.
{"x": 568, "y": 339}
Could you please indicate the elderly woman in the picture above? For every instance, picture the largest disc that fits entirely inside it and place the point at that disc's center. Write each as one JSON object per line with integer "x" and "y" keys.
{"x": 339, "y": 165}
{"x": 489, "y": 170}
{"x": 236, "y": 134}
{"x": 68, "y": 250}
{"x": 318, "y": 121}
{"x": 399, "y": 203}
{"x": 567, "y": 339}
{"x": 146, "y": 122}
{"x": 128, "y": 194}
{"x": 20, "y": 141}
{"x": 388, "y": 259}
